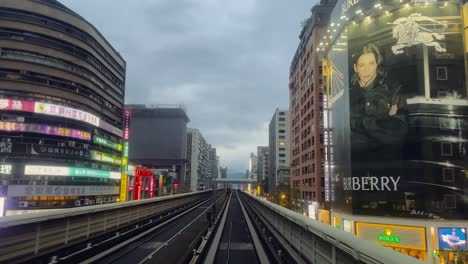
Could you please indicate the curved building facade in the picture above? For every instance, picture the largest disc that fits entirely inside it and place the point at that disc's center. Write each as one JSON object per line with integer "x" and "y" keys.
{"x": 62, "y": 88}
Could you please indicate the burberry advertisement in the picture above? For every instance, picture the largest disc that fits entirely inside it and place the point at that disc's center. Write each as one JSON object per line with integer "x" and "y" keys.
{"x": 408, "y": 111}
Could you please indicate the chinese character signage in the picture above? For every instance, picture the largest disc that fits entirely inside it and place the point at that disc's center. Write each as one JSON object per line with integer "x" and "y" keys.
{"x": 60, "y": 190}
{"x": 16, "y": 105}
{"x": 106, "y": 157}
{"x": 107, "y": 143}
{"x": 57, "y": 110}
{"x": 60, "y": 151}
{"x": 44, "y": 129}
{"x": 69, "y": 171}
{"x": 67, "y": 112}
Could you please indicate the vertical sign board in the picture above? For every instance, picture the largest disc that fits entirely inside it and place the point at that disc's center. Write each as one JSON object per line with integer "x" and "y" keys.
{"x": 123, "y": 181}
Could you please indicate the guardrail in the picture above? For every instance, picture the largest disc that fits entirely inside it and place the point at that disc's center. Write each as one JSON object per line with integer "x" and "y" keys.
{"x": 24, "y": 237}
{"x": 315, "y": 242}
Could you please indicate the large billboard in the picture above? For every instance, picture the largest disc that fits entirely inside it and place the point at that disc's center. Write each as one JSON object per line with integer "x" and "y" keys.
{"x": 402, "y": 101}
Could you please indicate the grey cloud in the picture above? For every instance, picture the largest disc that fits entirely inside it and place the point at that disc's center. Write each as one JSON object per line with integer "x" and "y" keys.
{"x": 227, "y": 61}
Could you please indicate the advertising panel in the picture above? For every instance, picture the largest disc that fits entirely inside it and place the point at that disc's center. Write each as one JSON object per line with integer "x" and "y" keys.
{"x": 44, "y": 129}
{"x": 67, "y": 112}
{"x": 57, "y": 110}
{"x": 60, "y": 151}
{"x": 60, "y": 190}
{"x": 107, "y": 143}
{"x": 410, "y": 237}
{"x": 452, "y": 239}
{"x": 106, "y": 157}
{"x": 16, "y": 105}
{"x": 69, "y": 171}
{"x": 399, "y": 109}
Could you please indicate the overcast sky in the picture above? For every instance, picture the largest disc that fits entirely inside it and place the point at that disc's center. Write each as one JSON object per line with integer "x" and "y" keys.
{"x": 227, "y": 61}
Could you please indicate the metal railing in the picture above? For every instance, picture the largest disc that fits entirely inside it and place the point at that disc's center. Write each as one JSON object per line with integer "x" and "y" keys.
{"x": 28, "y": 236}
{"x": 310, "y": 241}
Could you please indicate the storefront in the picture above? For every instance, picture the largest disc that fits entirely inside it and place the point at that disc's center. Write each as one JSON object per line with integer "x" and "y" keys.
{"x": 409, "y": 240}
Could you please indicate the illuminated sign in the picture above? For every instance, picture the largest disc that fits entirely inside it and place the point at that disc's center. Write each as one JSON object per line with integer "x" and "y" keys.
{"x": 389, "y": 237}
{"x": 60, "y": 190}
{"x": 57, "y": 110}
{"x": 452, "y": 238}
{"x": 143, "y": 172}
{"x": 16, "y": 105}
{"x": 123, "y": 187}
{"x": 105, "y": 157}
{"x": 410, "y": 237}
{"x": 107, "y": 143}
{"x": 5, "y": 169}
{"x": 126, "y": 133}
{"x": 151, "y": 187}
{"x": 44, "y": 129}
{"x": 69, "y": 171}
{"x": 2, "y": 205}
{"x": 67, "y": 112}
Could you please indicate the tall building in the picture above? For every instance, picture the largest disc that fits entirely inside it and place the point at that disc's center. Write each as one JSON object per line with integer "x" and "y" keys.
{"x": 263, "y": 168}
{"x": 158, "y": 140}
{"x": 223, "y": 172}
{"x": 198, "y": 155}
{"x": 397, "y": 119}
{"x": 252, "y": 172}
{"x": 213, "y": 164}
{"x": 306, "y": 95}
{"x": 62, "y": 88}
{"x": 278, "y": 150}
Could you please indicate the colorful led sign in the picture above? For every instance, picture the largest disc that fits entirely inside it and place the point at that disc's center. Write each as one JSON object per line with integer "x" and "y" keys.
{"x": 69, "y": 171}
{"x": 57, "y": 110}
{"x": 44, "y": 129}
{"x": 105, "y": 157}
{"x": 107, "y": 143}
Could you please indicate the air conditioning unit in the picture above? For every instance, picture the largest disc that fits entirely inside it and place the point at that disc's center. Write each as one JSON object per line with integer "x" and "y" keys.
{"x": 23, "y": 204}
{"x": 86, "y": 201}
{"x": 77, "y": 203}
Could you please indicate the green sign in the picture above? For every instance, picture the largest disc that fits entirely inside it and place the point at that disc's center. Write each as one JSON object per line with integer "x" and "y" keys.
{"x": 85, "y": 172}
{"x": 107, "y": 143}
{"x": 389, "y": 239}
{"x": 106, "y": 157}
{"x": 125, "y": 149}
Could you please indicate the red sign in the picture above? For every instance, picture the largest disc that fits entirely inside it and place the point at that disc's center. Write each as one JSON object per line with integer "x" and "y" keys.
{"x": 16, "y": 105}
{"x": 143, "y": 172}
{"x": 136, "y": 195}
{"x": 151, "y": 187}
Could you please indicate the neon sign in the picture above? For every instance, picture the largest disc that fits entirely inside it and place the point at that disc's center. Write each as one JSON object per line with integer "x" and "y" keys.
{"x": 105, "y": 157}
{"x": 126, "y": 133}
{"x": 107, "y": 143}
{"x": 143, "y": 172}
{"x": 389, "y": 237}
{"x": 44, "y": 129}
{"x": 69, "y": 171}
{"x": 67, "y": 112}
{"x": 57, "y": 110}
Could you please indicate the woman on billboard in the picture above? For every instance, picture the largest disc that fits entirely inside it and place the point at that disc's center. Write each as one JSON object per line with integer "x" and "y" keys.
{"x": 377, "y": 109}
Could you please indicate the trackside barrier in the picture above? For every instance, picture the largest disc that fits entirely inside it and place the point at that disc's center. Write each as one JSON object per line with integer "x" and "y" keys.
{"x": 316, "y": 242}
{"x": 30, "y": 235}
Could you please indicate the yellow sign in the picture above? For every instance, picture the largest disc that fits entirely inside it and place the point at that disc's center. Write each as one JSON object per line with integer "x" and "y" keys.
{"x": 410, "y": 237}
{"x": 123, "y": 187}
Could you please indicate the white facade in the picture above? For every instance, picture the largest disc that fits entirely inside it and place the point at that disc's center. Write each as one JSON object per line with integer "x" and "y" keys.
{"x": 198, "y": 155}
{"x": 279, "y": 149}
